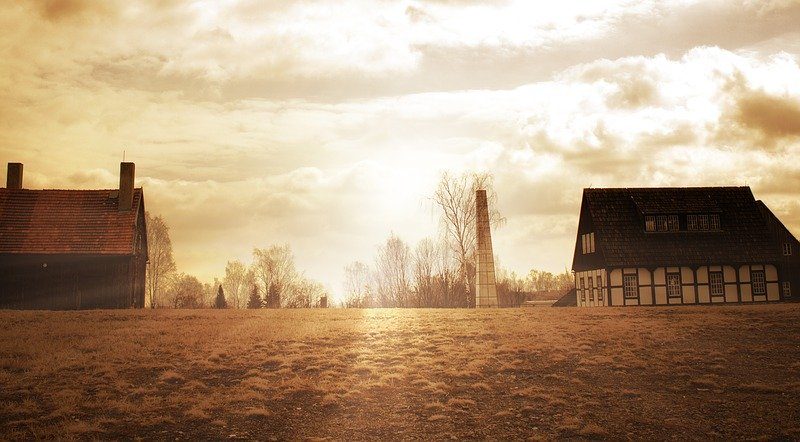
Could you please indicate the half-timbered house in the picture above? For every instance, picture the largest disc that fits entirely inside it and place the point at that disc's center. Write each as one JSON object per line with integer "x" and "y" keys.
{"x": 72, "y": 249}
{"x": 665, "y": 246}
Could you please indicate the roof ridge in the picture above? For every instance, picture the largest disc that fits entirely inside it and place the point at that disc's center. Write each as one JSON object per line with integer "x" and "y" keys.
{"x": 666, "y": 188}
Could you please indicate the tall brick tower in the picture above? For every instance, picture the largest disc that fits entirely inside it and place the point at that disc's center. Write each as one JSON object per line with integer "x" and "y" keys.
{"x": 485, "y": 289}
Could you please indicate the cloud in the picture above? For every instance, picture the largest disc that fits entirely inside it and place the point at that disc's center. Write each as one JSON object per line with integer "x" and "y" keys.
{"x": 327, "y": 128}
{"x": 55, "y": 10}
{"x": 773, "y": 117}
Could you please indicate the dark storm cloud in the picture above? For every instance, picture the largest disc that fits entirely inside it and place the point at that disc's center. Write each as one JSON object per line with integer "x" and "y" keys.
{"x": 774, "y": 117}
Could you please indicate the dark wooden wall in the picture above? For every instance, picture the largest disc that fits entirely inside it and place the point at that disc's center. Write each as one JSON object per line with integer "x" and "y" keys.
{"x": 68, "y": 282}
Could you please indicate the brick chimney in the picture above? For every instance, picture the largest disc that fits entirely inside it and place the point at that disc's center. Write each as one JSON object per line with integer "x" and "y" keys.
{"x": 14, "y": 178}
{"x": 126, "y": 175}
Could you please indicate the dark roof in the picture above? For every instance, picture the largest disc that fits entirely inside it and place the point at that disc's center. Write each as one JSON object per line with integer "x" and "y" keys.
{"x": 570, "y": 299}
{"x": 67, "y": 222}
{"x": 618, "y": 218}
{"x": 775, "y": 222}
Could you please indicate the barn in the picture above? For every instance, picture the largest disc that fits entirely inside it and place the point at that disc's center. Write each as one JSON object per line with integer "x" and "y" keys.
{"x": 72, "y": 249}
{"x": 692, "y": 245}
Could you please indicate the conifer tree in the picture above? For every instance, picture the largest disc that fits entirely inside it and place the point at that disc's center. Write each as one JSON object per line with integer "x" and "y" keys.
{"x": 220, "y": 302}
{"x": 255, "y": 298}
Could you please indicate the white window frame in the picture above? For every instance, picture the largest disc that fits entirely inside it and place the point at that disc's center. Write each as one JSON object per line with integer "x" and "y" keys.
{"x": 720, "y": 285}
{"x": 673, "y": 223}
{"x": 714, "y": 222}
{"x": 760, "y": 283}
{"x": 661, "y": 223}
{"x": 691, "y": 222}
{"x": 600, "y": 288}
{"x": 787, "y": 249}
{"x": 591, "y": 242}
{"x": 630, "y": 286}
{"x": 674, "y": 290}
{"x": 649, "y": 223}
{"x": 702, "y": 222}
{"x": 787, "y": 289}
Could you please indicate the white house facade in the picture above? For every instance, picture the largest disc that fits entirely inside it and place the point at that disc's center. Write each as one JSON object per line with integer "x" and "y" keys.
{"x": 675, "y": 246}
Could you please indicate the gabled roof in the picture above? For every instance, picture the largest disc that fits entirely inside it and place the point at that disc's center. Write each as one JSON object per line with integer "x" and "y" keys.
{"x": 618, "y": 218}
{"x": 775, "y": 224}
{"x": 85, "y": 222}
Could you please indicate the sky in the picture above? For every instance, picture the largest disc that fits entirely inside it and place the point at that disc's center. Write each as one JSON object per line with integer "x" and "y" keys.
{"x": 327, "y": 124}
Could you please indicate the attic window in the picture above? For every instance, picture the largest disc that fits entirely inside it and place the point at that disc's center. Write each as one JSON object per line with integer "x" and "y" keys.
{"x": 703, "y": 221}
{"x": 787, "y": 249}
{"x": 587, "y": 243}
{"x": 691, "y": 222}
{"x": 661, "y": 221}
{"x": 650, "y": 223}
{"x": 714, "y": 222}
{"x": 673, "y": 225}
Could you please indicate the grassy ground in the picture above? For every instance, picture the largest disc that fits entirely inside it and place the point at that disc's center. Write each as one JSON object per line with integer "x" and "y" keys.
{"x": 640, "y": 373}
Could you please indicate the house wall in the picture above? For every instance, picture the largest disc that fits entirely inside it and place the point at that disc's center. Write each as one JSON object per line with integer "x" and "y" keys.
{"x": 70, "y": 282}
{"x": 695, "y": 288}
{"x": 597, "y": 294}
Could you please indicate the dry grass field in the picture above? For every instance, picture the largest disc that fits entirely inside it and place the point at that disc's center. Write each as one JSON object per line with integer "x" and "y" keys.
{"x": 541, "y": 373}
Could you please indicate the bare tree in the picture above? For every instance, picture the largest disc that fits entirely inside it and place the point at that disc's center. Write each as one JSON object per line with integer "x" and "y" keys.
{"x": 161, "y": 264}
{"x": 236, "y": 283}
{"x": 185, "y": 291}
{"x": 303, "y": 293}
{"x": 209, "y": 293}
{"x": 425, "y": 258}
{"x": 455, "y": 197}
{"x": 357, "y": 285}
{"x": 447, "y": 270}
{"x": 393, "y": 272}
{"x": 274, "y": 271}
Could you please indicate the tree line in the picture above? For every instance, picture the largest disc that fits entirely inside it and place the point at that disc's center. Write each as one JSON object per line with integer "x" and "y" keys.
{"x": 440, "y": 271}
{"x": 271, "y": 280}
{"x": 427, "y": 275}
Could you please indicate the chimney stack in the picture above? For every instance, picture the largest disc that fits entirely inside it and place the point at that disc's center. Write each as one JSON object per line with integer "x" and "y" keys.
{"x": 126, "y": 175}
{"x": 14, "y": 178}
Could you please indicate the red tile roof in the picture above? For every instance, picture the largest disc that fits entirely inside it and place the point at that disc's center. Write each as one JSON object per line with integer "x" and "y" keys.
{"x": 51, "y": 222}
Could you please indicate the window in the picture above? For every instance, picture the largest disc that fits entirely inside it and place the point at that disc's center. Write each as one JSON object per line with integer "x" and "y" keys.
{"x": 582, "y": 285}
{"x": 691, "y": 222}
{"x": 673, "y": 225}
{"x": 650, "y": 223}
{"x": 674, "y": 285}
{"x": 714, "y": 222}
{"x": 587, "y": 243}
{"x": 787, "y": 249}
{"x": 787, "y": 289}
{"x": 703, "y": 221}
{"x": 600, "y": 285}
{"x": 591, "y": 282}
{"x": 662, "y": 223}
{"x": 716, "y": 285}
{"x": 759, "y": 282}
{"x": 630, "y": 286}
